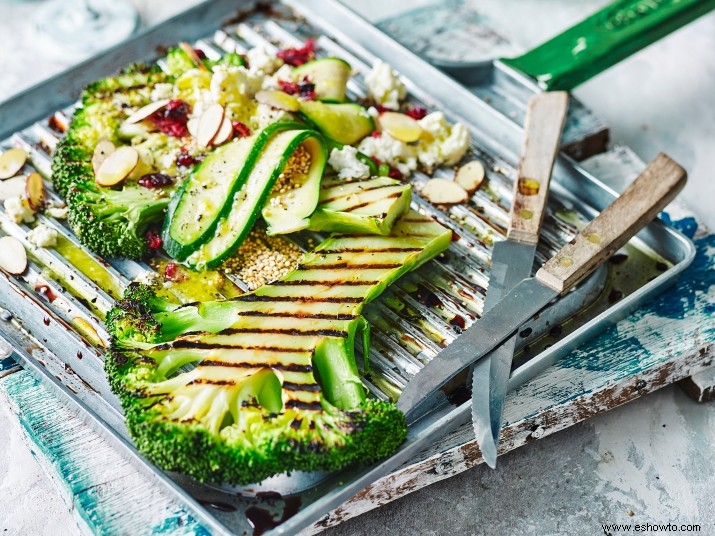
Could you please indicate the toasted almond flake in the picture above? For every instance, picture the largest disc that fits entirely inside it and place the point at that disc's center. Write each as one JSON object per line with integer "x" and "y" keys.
{"x": 145, "y": 111}
{"x": 191, "y": 53}
{"x": 400, "y": 126}
{"x": 103, "y": 149}
{"x": 12, "y": 187}
{"x": 470, "y": 176}
{"x": 279, "y": 100}
{"x": 35, "y": 191}
{"x": 225, "y": 132}
{"x": 117, "y": 166}
{"x": 444, "y": 192}
{"x": 192, "y": 125}
{"x": 13, "y": 257}
{"x": 11, "y": 162}
{"x": 209, "y": 123}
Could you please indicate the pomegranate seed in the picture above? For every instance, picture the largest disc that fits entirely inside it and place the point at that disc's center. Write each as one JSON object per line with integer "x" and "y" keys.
{"x": 289, "y": 87}
{"x": 155, "y": 180}
{"x": 417, "y": 112}
{"x": 376, "y": 134}
{"x": 241, "y": 129}
{"x": 298, "y": 56}
{"x": 377, "y": 161}
{"x": 170, "y": 270}
{"x": 153, "y": 240}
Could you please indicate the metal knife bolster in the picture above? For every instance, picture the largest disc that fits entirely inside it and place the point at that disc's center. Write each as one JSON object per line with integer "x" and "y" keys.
{"x": 522, "y": 302}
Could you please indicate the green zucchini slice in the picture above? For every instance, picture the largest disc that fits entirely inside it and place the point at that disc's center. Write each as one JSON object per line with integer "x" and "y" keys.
{"x": 245, "y": 203}
{"x": 346, "y": 123}
{"x": 330, "y": 76}
{"x": 363, "y": 206}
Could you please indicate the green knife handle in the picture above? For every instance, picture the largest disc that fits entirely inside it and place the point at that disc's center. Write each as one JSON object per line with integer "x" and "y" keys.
{"x": 605, "y": 38}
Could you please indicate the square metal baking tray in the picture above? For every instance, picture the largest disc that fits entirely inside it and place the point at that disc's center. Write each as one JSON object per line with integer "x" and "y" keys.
{"x": 56, "y": 328}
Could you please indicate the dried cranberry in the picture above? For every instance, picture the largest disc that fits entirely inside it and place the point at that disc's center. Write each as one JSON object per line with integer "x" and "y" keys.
{"x": 307, "y": 91}
{"x": 185, "y": 159}
{"x": 417, "y": 112}
{"x": 241, "y": 129}
{"x": 382, "y": 109}
{"x": 155, "y": 180}
{"x": 377, "y": 161}
{"x": 395, "y": 174}
{"x": 298, "y": 56}
{"x": 153, "y": 240}
{"x": 200, "y": 53}
{"x": 172, "y": 118}
{"x": 376, "y": 134}
{"x": 288, "y": 87}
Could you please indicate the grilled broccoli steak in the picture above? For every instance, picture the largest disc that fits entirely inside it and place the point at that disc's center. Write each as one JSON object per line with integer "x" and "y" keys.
{"x": 111, "y": 221}
{"x": 243, "y": 389}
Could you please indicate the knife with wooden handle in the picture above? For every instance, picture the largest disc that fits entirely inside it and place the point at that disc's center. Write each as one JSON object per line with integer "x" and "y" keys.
{"x": 513, "y": 258}
{"x": 640, "y": 203}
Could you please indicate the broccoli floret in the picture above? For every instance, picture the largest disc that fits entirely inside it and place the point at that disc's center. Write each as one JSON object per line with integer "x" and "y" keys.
{"x": 114, "y": 222}
{"x": 202, "y": 399}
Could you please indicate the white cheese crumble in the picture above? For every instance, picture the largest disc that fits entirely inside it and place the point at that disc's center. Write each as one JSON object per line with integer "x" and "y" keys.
{"x": 390, "y": 151}
{"x": 266, "y": 115}
{"x": 229, "y": 82}
{"x": 43, "y": 236}
{"x": 262, "y": 60}
{"x": 384, "y": 85}
{"x": 441, "y": 142}
{"x": 56, "y": 211}
{"x": 162, "y": 91}
{"x": 18, "y": 210}
{"x": 284, "y": 73}
{"x": 347, "y": 164}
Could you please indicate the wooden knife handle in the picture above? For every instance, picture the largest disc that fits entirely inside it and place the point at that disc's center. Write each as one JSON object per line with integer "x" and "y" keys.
{"x": 641, "y": 202}
{"x": 545, "y": 116}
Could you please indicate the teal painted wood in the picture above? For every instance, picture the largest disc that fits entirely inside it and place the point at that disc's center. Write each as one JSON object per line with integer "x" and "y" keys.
{"x": 101, "y": 487}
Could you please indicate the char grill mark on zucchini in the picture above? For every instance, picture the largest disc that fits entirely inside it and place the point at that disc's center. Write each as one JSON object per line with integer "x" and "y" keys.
{"x": 265, "y": 361}
{"x": 362, "y": 206}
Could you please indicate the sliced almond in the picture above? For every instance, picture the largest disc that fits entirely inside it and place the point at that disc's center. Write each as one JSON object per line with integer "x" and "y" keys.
{"x": 444, "y": 192}
{"x": 11, "y": 162}
{"x": 145, "y": 111}
{"x": 35, "y": 191}
{"x": 191, "y": 53}
{"x": 13, "y": 187}
{"x": 470, "y": 176}
{"x": 13, "y": 257}
{"x": 278, "y": 100}
{"x": 225, "y": 132}
{"x": 209, "y": 123}
{"x": 400, "y": 126}
{"x": 192, "y": 125}
{"x": 117, "y": 166}
{"x": 103, "y": 149}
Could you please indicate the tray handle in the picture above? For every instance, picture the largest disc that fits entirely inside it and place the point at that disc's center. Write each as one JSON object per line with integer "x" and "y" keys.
{"x": 605, "y": 38}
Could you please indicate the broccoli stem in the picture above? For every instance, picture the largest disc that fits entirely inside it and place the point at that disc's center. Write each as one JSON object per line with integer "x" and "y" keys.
{"x": 336, "y": 370}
